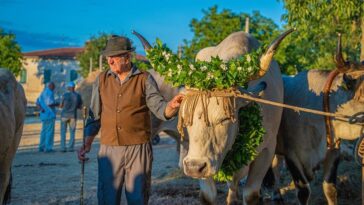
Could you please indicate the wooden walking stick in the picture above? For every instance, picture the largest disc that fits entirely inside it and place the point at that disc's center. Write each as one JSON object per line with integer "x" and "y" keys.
{"x": 84, "y": 114}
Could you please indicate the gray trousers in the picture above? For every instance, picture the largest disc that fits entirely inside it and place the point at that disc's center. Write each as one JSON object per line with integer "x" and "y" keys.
{"x": 124, "y": 165}
{"x": 72, "y": 124}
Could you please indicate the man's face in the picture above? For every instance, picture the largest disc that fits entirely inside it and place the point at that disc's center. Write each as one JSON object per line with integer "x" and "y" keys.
{"x": 119, "y": 63}
{"x": 71, "y": 89}
{"x": 51, "y": 86}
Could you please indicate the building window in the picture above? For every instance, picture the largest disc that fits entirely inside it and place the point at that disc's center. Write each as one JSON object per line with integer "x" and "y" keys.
{"x": 73, "y": 75}
{"x": 23, "y": 76}
{"x": 47, "y": 76}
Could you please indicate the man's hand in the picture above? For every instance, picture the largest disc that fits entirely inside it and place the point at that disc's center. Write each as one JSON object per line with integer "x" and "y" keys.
{"x": 176, "y": 101}
{"x": 173, "y": 106}
{"x": 81, "y": 153}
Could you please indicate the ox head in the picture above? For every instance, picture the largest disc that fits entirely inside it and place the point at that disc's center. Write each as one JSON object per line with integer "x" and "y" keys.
{"x": 350, "y": 94}
{"x": 353, "y": 74}
{"x": 210, "y": 118}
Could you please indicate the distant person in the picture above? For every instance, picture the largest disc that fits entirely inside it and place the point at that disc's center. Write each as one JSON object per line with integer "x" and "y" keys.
{"x": 71, "y": 101}
{"x": 47, "y": 106}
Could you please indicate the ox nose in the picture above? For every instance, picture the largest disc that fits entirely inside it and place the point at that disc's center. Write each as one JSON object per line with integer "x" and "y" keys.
{"x": 195, "y": 168}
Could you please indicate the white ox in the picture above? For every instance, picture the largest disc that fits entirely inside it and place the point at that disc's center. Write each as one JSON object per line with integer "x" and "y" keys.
{"x": 302, "y": 136}
{"x": 208, "y": 145}
{"x": 12, "y": 109}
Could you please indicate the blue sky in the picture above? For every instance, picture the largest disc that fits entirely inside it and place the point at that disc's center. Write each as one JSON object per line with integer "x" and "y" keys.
{"x": 45, "y": 24}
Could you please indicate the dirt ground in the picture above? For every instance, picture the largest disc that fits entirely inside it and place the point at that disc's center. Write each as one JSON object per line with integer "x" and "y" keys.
{"x": 54, "y": 178}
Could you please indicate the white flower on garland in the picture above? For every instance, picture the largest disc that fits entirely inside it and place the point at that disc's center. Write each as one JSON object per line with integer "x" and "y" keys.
{"x": 248, "y": 58}
{"x": 166, "y": 55}
{"x": 249, "y": 69}
{"x": 210, "y": 75}
{"x": 223, "y": 67}
{"x": 239, "y": 68}
{"x": 179, "y": 69}
{"x": 170, "y": 72}
{"x": 204, "y": 68}
{"x": 190, "y": 72}
{"x": 192, "y": 67}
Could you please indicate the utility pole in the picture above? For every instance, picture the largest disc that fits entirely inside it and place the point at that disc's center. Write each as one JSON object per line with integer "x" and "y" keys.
{"x": 90, "y": 65}
{"x": 179, "y": 51}
{"x": 247, "y": 25}
{"x": 100, "y": 63}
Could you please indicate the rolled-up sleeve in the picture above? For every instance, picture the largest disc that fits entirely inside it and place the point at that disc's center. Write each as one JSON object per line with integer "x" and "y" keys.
{"x": 155, "y": 101}
{"x": 94, "y": 115}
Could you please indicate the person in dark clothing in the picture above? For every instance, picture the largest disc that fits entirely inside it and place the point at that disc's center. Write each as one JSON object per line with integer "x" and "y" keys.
{"x": 71, "y": 101}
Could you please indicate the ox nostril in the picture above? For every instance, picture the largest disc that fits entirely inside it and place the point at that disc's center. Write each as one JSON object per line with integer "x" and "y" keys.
{"x": 196, "y": 167}
{"x": 202, "y": 168}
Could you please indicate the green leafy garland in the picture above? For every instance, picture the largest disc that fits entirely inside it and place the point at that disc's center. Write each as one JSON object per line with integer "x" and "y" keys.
{"x": 218, "y": 74}
{"x": 204, "y": 75}
{"x": 243, "y": 151}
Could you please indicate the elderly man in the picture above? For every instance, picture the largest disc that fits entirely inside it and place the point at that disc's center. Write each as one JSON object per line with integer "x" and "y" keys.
{"x": 47, "y": 106}
{"x": 121, "y": 100}
{"x": 71, "y": 101}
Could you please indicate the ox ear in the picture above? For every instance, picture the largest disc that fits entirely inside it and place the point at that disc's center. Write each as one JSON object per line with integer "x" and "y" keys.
{"x": 348, "y": 82}
{"x": 257, "y": 90}
{"x": 254, "y": 91}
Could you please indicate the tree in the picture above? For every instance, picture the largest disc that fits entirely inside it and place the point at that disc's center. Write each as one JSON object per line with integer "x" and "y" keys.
{"x": 317, "y": 23}
{"x": 10, "y": 53}
{"x": 92, "y": 52}
{"x": 215, "y": 26}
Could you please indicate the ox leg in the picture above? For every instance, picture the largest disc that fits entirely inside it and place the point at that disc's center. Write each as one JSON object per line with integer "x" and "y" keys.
{"x": 4, "y": 186}
{"x": 208, "y": 192}
{"x": 300, "y": 181}
{"x": 271, "y": 180}
{"x": 257, "y": 170}
{"x": 233, "y": 194}
{"x": 7, "y": 195}
{"x": 331, "y": 164}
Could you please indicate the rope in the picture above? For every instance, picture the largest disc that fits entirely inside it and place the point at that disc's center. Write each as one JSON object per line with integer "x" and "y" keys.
{"x": 229, "y": 104}
{"x": 326, "y": 105}
{"x": 341, "y": 117}
{"x": 359, "y": 150}
{"x": 236, "y": 93}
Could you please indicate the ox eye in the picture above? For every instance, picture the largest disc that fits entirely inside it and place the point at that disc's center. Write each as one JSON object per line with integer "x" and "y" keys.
{"x": 224, "y": 121}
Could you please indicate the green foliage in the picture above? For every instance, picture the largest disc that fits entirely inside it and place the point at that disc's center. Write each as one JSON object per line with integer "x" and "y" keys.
{"x": 141, "y": 65}
{"x": 204, "y": 75}
{"x": 93, "y": 49}
{"x": 10, "y": 53}
{"x": 243, "y": 151}
{"x": 318, "y": 22}
{"x": 215, "y": 26}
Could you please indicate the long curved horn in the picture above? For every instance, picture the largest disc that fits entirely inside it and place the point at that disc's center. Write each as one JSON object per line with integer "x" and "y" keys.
{"x": 267, "y": 57}
{"x": 145, "y": 43}
{"x": 342, "y": 65}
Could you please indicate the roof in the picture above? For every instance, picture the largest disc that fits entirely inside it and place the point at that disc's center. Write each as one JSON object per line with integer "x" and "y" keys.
{"x": 57, "y": 52}
{"x": 65, "y": 52}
